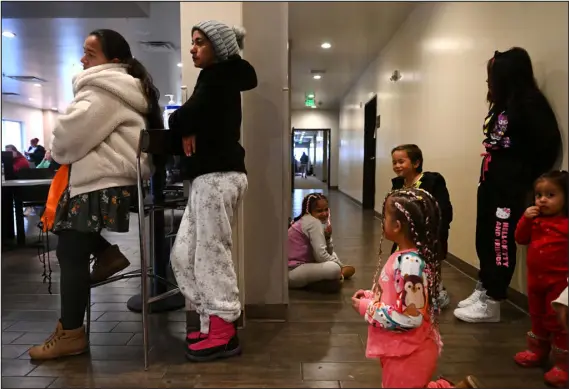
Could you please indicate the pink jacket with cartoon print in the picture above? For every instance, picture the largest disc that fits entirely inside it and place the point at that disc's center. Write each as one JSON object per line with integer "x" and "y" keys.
{"x": 399, "y": 317}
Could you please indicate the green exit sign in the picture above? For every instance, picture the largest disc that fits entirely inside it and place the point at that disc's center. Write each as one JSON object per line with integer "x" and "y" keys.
{"x": 309, "y": 100}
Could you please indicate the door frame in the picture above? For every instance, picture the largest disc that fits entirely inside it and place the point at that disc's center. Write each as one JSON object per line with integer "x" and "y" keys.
{"x": 369, "y": 152}
{"x": 328, "y": 160}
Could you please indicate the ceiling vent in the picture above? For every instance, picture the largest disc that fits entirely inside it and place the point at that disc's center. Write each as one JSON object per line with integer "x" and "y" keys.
{"x": 31, "y": 79}
{"x": 157, "y": 46}
{"x": 10, "y": 94}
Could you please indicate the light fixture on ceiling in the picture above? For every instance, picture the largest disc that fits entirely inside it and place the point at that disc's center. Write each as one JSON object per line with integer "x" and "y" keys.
{"x": 310, "y": 95}
{"x": 54, "y": 109}
{"x": 8, "y": 34}
{"x": 180, "y": 65}
{"x": 317, "y": 77}
{"x": 326, "y": 45}
{"x": 37, "y": 85}
{"x": 313, "y": 107}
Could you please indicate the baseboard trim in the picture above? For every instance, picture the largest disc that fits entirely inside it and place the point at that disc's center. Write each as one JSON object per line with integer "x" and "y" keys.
{"x": 515, "y": 297}
{"x": 350, "y": 197}
{"x": 255, "y": 312}
{"x": 359, "y": 203}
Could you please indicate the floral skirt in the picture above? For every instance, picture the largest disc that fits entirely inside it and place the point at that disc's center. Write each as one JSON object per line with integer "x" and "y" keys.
{"x": 91, "y": 212}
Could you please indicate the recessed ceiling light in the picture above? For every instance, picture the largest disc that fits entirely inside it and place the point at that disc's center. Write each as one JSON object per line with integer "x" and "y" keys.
{"x": 38, "y": 85}
{"x": 54, "y": 108}
{"x": 313, "y": 107}
{"x": 317, "y": 76}
{"x": 180, "y": 65}
{"x": 8, "y": 34}
{"x": 310, "y": 96}
{"x": 325, "y": 45}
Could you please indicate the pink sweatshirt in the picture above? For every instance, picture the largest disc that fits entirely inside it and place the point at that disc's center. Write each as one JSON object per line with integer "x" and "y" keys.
{"x": 396, "y": 329}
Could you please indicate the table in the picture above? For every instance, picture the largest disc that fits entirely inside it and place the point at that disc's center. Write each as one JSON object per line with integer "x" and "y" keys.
{"x": 12, "y": 203}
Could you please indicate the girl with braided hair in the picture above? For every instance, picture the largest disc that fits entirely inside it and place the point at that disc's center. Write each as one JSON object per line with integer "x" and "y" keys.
{"x": 312, "y": 262}
{"x": 403, "y": 328}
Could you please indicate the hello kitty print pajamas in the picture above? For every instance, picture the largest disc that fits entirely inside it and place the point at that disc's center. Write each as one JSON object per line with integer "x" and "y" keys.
{"x": 201, "y": 255}
{"x": 400, "y": 333}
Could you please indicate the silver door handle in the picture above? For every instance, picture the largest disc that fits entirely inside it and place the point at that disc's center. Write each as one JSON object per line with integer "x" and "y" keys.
{"x": 372, "y": 158}
{"x": 285, "y": 89}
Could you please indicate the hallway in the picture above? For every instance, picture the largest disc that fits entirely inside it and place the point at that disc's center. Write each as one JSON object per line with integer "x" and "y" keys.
{"x": 322, "y": 344}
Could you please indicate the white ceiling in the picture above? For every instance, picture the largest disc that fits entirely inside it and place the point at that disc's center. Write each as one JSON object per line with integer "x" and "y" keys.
{"x": 357, "y": 31}
{"x": 51, "y": 48}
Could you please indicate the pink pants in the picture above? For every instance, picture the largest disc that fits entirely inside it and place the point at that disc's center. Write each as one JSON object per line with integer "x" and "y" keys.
{"x": 414, "y": 370}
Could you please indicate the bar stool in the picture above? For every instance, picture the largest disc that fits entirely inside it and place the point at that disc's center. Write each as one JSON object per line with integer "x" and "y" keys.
{"x": 157, "y": 144}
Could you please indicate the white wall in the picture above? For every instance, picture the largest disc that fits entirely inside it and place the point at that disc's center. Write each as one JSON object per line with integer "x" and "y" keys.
{"x": 31, "y": 118}
{"x": 441, "y": 51}
{"x": 321, "y": 119}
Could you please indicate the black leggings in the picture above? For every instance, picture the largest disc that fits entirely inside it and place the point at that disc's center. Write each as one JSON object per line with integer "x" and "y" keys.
{"x": 74, "y": 251}
{"x": 496, "y": 220}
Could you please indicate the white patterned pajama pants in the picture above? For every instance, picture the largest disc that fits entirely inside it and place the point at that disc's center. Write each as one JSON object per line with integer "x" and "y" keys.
{"x": 201, "y": 255}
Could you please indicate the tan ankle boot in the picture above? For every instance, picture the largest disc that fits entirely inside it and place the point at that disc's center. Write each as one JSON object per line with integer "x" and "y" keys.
{"x": 61, "y": 343}
{"x": 107, "y": 263}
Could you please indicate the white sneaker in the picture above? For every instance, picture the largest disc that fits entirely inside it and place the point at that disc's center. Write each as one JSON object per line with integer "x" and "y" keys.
{"x": 444, "y": 300}
{"x": 485, "y": 310}
{"x": 474, "y": 297}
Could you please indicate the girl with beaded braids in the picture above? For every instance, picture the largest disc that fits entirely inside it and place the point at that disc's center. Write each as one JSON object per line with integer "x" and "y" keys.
{"x": 403, "y": 329}
{"x": 312, "y": 262}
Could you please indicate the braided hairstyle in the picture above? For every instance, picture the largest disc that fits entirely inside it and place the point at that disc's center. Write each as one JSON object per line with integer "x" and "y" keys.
{"x": 308, "y": 204}
{"x": 419, "y": 215}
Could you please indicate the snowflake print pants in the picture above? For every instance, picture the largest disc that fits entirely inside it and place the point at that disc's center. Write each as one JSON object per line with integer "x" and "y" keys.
{"x": 201, "y": 255}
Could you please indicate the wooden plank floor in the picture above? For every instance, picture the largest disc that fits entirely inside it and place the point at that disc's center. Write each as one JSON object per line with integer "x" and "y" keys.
{"x": 322, "y": 345}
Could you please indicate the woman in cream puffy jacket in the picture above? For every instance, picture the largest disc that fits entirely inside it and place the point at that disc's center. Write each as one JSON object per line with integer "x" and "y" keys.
{"x": 98, "y": 138}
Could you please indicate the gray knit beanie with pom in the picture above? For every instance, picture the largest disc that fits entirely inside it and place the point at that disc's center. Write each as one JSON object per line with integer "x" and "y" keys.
{"x": 226, "y": 41}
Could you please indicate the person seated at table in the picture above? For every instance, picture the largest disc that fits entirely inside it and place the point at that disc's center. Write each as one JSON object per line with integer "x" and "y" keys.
{"x": 19, "y": 161}
{"x": 97, "y": 137}
{"x": 36, "y": 152}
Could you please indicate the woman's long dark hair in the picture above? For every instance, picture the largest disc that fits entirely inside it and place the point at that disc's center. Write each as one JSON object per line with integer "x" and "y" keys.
{"x": 510, "y": 78}
{"x": 114, "y": 46}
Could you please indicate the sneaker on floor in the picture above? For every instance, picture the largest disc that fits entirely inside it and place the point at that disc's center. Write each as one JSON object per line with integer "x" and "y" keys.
{"x": 474, "y": 297}
{"x": 108, "y": 263}
{"x": 61, "y": 343}
{"x": 485, "y": 310}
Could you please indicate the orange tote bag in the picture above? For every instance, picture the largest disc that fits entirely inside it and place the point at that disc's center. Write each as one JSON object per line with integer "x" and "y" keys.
{"x": 56, "y": 189}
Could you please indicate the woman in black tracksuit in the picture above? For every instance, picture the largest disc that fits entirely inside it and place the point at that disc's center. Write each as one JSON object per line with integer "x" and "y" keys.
{"x": 522, "y": 141}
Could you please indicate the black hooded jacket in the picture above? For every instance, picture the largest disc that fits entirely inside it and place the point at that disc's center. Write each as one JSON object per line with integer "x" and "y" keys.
{"x": 213, "y": 115}
{"x": 523, "y": 141}
{"x": 435, "y": 184}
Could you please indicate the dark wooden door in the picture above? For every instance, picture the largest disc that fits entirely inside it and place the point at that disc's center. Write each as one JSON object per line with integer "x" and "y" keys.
{"x": 368, "y": 195}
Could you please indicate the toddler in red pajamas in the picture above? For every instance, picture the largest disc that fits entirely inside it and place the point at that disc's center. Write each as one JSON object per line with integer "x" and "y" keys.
{"x": 544, "y": 228}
